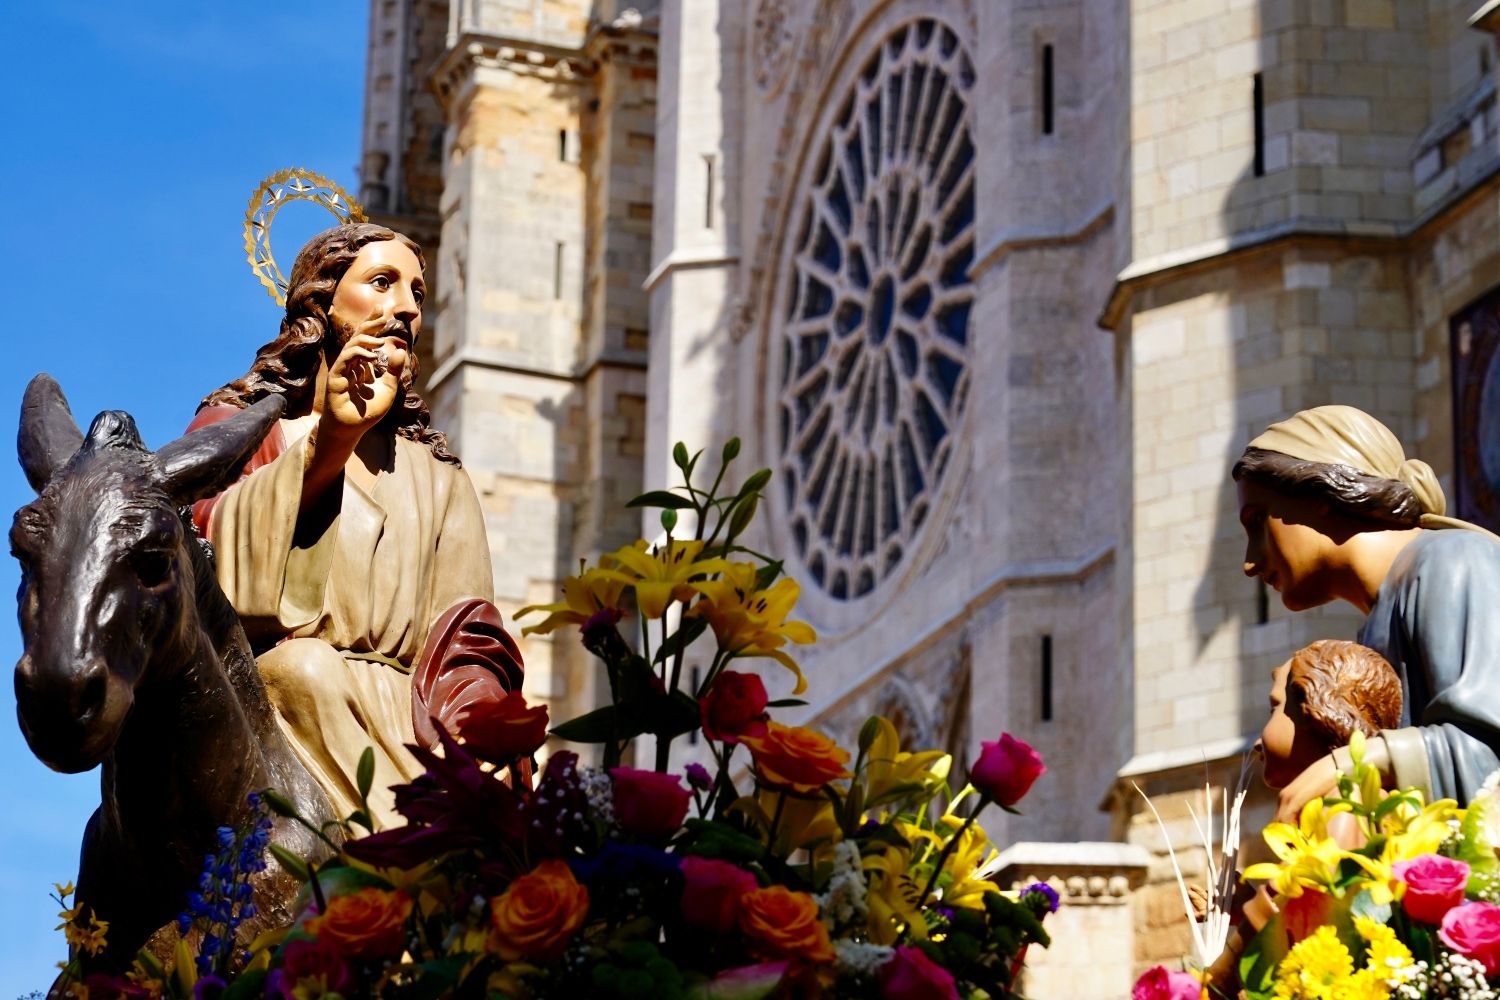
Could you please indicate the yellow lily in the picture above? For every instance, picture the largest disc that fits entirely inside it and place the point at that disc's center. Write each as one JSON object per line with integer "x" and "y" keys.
{"x": 751, "y": 622}
{"x": 892, "y": 895}
{"x": 1410, "y": 833}
{"x": 584, "y": 596}
{"x": 1309, "y": 856}
{"x": 888, "y": 767}
{"x": 661, "y": 575}
{"x": 971, "y": 853}
{"x": 804, "y": 820}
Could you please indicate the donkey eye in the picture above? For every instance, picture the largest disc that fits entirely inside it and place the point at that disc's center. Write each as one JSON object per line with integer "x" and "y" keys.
{"x": 151, "y": 565}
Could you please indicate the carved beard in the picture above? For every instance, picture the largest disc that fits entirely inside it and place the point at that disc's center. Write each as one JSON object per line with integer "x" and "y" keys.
{"x": 341, "y": 334}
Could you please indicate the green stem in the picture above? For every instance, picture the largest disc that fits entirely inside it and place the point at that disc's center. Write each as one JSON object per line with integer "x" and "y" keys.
{"x": 947, "y": 852}
{"x": 775, "y": 822}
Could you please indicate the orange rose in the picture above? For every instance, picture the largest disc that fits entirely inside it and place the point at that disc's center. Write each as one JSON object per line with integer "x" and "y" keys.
{"x": 784, "y": 924}
{"x": 370, "y": 923}
{"x": 794, "y": 759}
{"x": 539, "y": 914}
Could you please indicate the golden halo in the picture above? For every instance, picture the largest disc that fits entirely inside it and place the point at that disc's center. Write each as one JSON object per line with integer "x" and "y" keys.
{"x": 290, "y": 184}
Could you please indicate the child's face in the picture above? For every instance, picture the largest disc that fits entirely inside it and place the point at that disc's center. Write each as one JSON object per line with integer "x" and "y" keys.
{"x": 1288, "y": 745}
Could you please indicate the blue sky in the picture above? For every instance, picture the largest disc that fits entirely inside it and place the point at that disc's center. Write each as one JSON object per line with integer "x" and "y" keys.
{"x": 135, "y": 134}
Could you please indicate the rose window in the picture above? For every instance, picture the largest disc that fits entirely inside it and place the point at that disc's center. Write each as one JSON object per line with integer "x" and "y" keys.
{"x": 876, "y": 299}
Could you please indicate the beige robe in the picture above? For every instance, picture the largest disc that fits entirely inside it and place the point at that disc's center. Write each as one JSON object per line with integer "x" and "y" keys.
{"x": 353, "y": 609}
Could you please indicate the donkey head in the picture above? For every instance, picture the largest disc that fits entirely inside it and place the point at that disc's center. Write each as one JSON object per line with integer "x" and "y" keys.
{"x": 107, "y": 585}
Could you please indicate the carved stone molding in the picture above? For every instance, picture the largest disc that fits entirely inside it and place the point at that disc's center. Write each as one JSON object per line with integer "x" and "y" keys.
{"x": 774, "y": 44}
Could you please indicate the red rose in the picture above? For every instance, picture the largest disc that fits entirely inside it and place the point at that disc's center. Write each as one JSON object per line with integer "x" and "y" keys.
{"x": 1006, "y": 770}
{"x": 1156, "y": 983}
{"x": 910, "y": 975}
{"x": 1434, "y": 885}
{"x": 712, "y": 891}
{"x": 500, "y": 731}
{"x": 1473, "y": 930}
{"x": 304, "y": 962}
{"x": 647, "y": 803}
{"x": 734, "y": 706}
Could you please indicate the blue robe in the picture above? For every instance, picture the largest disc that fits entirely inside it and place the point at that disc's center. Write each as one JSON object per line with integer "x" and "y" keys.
{"x": 1436, "y": 618}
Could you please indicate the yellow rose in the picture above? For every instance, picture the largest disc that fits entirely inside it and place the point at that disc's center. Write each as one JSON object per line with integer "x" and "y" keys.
{"x": 784, "y": 924}
{"x": 370, "y": 923}
{"x": 794, "y": 759}
{"x": 539, "y": 914}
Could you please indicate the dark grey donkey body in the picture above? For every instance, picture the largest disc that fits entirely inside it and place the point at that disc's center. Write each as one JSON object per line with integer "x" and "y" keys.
{"x": 135, "y": 660}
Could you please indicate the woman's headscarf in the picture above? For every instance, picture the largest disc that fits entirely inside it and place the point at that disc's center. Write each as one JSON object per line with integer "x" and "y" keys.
{"x": 1343, "y": 435}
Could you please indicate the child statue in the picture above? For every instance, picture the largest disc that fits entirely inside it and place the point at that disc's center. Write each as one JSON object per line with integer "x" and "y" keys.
{"x": 1320, "y": 697}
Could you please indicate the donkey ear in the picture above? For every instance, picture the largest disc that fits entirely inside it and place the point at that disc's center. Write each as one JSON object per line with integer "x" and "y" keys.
{"x": 49, "y": 436}
{"x": 204, "y": 462}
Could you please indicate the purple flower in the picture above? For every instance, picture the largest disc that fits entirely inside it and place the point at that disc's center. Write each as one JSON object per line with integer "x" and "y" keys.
{"x": 699, "y": 778}
{"x": 1047, "y": 894}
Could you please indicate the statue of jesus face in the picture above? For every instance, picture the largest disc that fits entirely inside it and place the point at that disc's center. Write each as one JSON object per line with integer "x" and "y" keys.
{"x": 381, "y": 295}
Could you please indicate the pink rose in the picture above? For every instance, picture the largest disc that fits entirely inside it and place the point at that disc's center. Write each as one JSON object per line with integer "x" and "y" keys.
{"x": 1434, "y": 885}
{"x": 649, "y": 804}
{"x": 712, "y": 891}
{"x": 1473, "y": 930}
{"x": 304, "y": 961}
{"x": 910, "y": 975}
{"x": 1156, "y": 983}
{"x": 734, "y": 706}
{"x": 1006, "y": 770}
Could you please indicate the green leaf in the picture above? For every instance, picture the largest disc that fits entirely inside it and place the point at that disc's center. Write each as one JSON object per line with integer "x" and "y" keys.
{"x": 599, "y": 726}
{"x": 786, "y": 703}
{"x": 661, "y": 498}
{"x": 295, "y": 866}
{"x": 687, "y": 633}
{"x": 731, "y": 451}
{"x": 767, "y": 574}
{"x": 669, "y": 716}
{"x": 1364, "y": 905}
{"x": 364, "y": 774}
{"x": 363, "y": 819}
{"x": 1262, "y": 955}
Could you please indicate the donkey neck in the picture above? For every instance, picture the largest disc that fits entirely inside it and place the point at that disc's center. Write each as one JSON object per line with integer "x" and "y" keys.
{"x": 190, "y": 750}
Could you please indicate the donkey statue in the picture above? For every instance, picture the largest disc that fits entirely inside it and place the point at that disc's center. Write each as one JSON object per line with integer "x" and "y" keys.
{"x": 134, "y": 659}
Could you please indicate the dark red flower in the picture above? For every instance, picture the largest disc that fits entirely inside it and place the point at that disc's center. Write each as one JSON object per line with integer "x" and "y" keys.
{"x": 734, "y": 706}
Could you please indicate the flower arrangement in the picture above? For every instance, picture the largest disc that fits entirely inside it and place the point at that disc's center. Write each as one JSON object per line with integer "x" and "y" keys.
{"x": 1377, "y": 895}
{"x": 791, "y": 867}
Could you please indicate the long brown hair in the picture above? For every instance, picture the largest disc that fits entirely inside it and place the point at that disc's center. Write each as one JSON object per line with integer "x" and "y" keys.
{"x": 288, "y": 365}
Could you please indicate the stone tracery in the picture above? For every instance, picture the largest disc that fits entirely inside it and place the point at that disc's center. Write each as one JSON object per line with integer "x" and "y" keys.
{"x": 875, "y": 311}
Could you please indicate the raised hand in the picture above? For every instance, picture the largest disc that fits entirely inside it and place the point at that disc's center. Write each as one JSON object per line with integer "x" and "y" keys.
{"x": 363, "y": 383}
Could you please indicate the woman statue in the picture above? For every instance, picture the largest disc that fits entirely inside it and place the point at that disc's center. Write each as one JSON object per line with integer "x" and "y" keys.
{"x": 1332, "y": 508}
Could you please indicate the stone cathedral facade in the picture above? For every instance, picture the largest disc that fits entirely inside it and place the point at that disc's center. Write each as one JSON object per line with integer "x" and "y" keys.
{"x": 998, "y": 290}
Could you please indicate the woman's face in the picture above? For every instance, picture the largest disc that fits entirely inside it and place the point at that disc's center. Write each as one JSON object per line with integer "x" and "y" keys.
{"x": 1284, "y": 548}
{"x": 1288, "y": 745}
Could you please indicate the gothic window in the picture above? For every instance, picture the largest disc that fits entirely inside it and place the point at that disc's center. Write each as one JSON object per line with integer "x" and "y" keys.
{"x": 876, "y": 299}
{"x": 1476, "y": 411}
